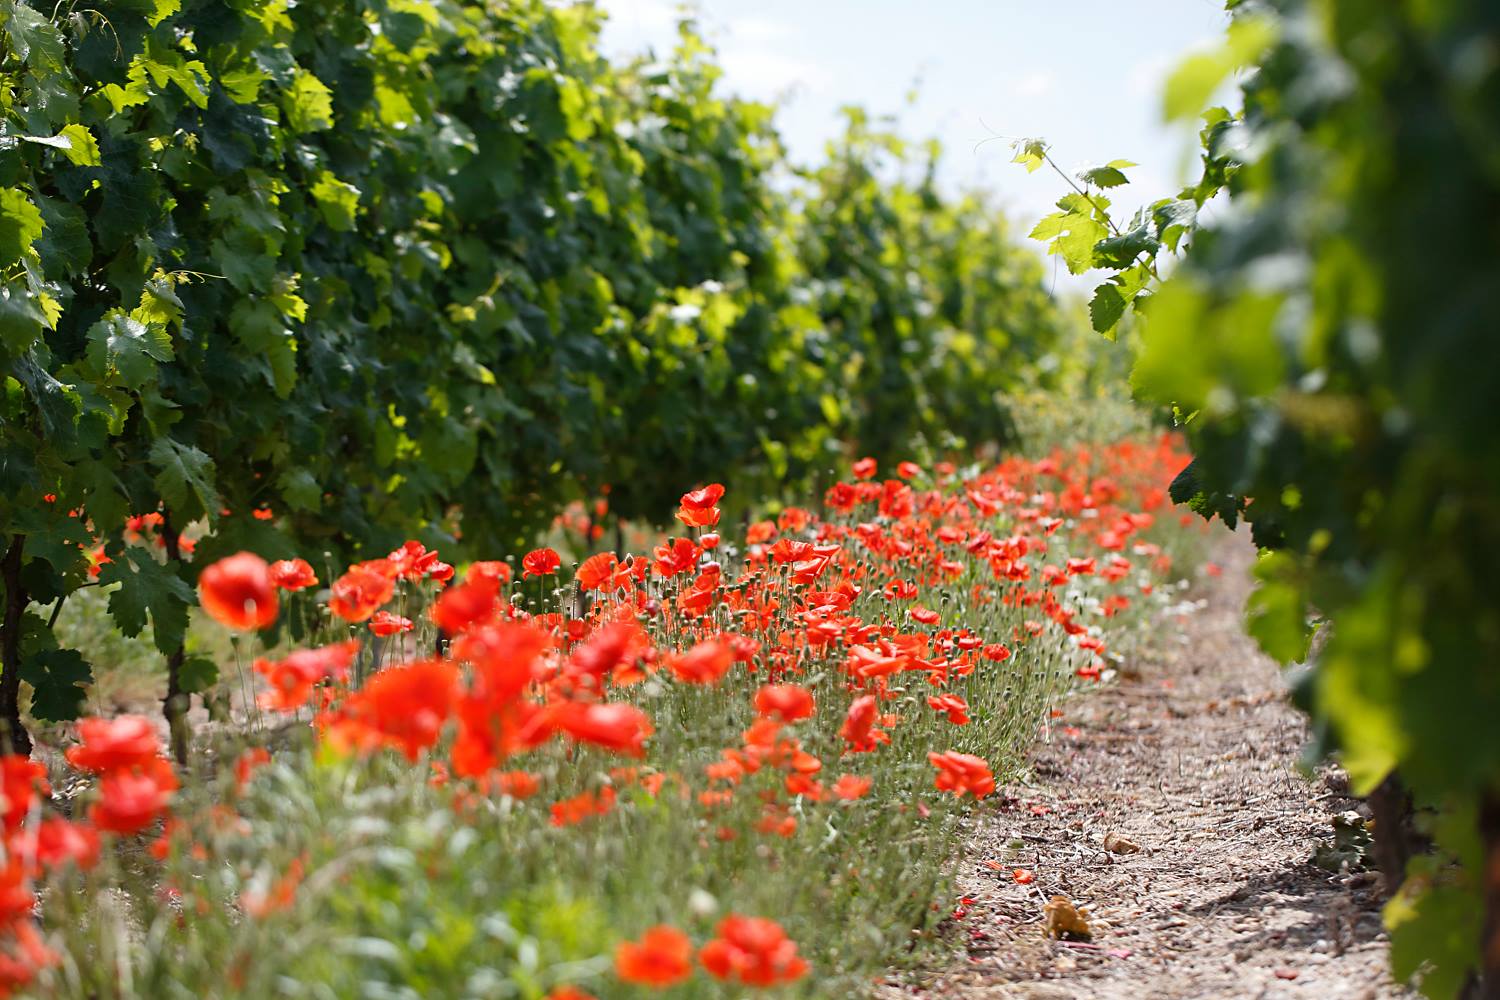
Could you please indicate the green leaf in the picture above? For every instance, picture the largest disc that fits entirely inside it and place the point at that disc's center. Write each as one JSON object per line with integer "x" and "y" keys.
{"x": 76, "y": 142}
{"x": 1432, "y": 922}
{"x": 1173, "y": 218}
{"x": 281, "y": 361}
{"x": 243, "y": 84}
{"x": 260, "y": 326}
{"x": 1106, "y": 308}
{"x": 65, "y": 246}
{"x": 337, "y": 201}
{"x": 159, "y": 305}
{"x": 147, "y": 587}
{"x": 165, "y": 66}
{"x": 1193, "y": 82}
{"x": 308, "y": 103}
{"x": 1202, "y": 498}
{"x": 20, "y": 225}
{"x": 83, "y": 148}
{"x": 1031, "y": 154}
{"x": 1276, "y": 611}
{"x": 1105, "y": 177}
{"x": 127, "y": 347}
{"x": 34, "y": 39}
{"x": 185, "y": 479}
{"x": 53, "y": 536}
{"x": 1121, "y": 251}
{"x": 300, "y": 489}
{"x": 197, "y": 674}
{"x": 58, "y": 679}
{"x": 21, "y": 318}
{"x": 163, "y": 9}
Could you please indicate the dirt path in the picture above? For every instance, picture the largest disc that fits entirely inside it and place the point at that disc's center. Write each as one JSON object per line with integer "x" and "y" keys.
{"x": 1194, "y": 762}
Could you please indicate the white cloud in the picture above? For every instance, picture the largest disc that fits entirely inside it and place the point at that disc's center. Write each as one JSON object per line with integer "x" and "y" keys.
{"x": 1035, "y": 85}
{"x": 764, "y": 73}
{"x": 757, "y": 30}
{"x": 644, "y": 16}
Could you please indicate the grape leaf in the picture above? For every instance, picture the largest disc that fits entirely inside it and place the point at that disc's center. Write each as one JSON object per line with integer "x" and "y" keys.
{"x": 337, "y": 201}
{"x": 20, "y": 225}
{"x": 147, "y": 587}
{"x": 1105, "y": 177}
{"x": 58, "y": 678}
{"x": 300, "y": 489}
{"x": 75, "y": 142}
{"x": 1106, "y": 308}
{"x": 308, "y": 103}
{"x": 34, "y": 39}
{"x": 185, "y": 478}
{"x": 197, "y": 674}
{"x": 21, "y": 318}
{"x": 126, "y": 346}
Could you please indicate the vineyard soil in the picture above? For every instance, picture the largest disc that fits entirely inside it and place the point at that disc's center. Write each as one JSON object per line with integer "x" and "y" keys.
{"x": 1195, "y": 762}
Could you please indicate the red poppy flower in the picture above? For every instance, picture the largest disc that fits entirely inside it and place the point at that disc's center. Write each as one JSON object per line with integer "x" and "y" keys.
{"x": 618, "y": 644}
{"x": 466, "y": 605}
{"x": 406, "y": 706}
{"x": 962, "y": 773}
{"x": 580, "y": 807}
{"x": 293, "y": 574}
{"x": 490, "y": 569}
{"x": 59, "y": 842}
{"x": 953, "y": 706}
{"x": 705, "y": 663}
{"x": 924, "y": 615}
{"x": 614, "y": 726}
{"x": 699, "y": 508}
{"x": 22, "y": 780}
{"x": 540, "y": 562}
{"x": 850, "y": 787}
{"x": 293, "y": 678}
{"x": 859, "y": 725}
{"x": 413, "y": 561}
{"x": 703, "y": 498}
{"x": 663, "y": 956}
{"x": 113, "y": 744}
{"x": 596, "y": 571}
{"x": 518, "y": 784}
{"x": 679, "y": 555}
{"x": 787, "y": 702}
{"x": 908, "y": 470}
{"x": 384, "y": 623}
{"x": 841, "y": 497}
{"x": 569, "y": 993}
{"x": 237, "y": 592}
{"x": 247, "y": 763}
{"x": 360, "y": 592}
{"x": 130, "y": 801}
{"x": 865, "y": 468}
{"x": 753, "y": 950}
{"x": 280, "y": 895}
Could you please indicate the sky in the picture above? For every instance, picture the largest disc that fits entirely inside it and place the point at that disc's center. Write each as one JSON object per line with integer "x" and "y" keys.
{"x": 1086, "y": 75}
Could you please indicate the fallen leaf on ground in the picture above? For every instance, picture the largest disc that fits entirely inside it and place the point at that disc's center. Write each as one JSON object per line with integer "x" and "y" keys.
{"x": 1064, "y": 920}
{"x": 1286, "y": 973}
{"x": 1023, "y": 876}
{"x": 1116, "y": 844}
